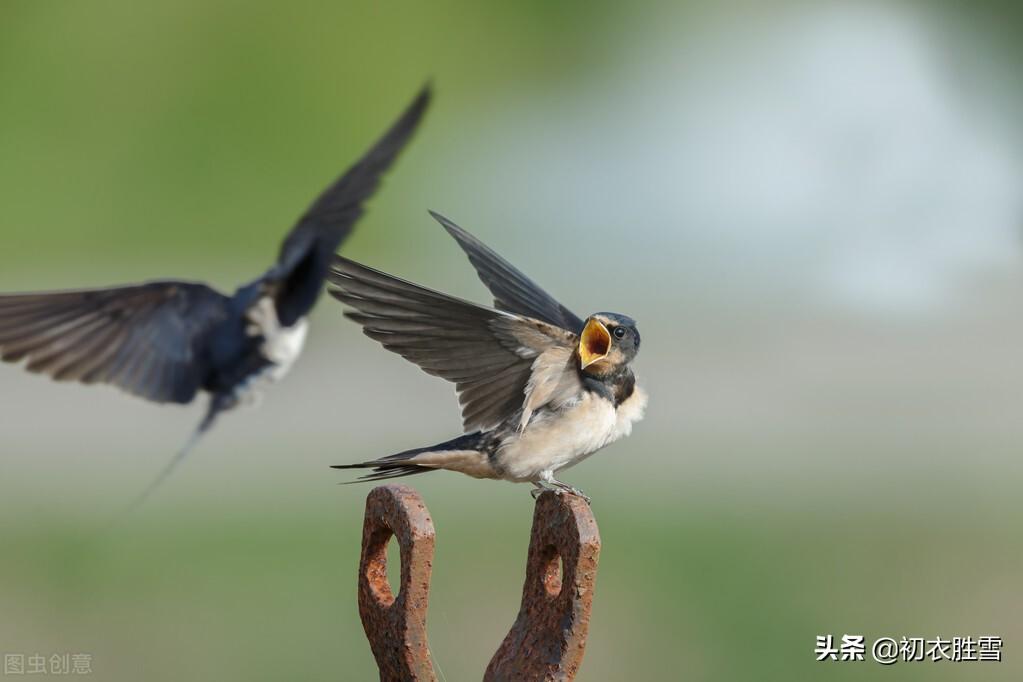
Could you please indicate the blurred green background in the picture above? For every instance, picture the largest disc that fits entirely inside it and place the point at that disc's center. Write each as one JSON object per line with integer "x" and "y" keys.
{"x": 813, "y": 210}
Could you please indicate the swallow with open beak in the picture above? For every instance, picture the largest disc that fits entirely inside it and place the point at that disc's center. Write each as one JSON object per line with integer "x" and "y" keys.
{"x": 540, "y": 389}
{"x": 167, "y": 341}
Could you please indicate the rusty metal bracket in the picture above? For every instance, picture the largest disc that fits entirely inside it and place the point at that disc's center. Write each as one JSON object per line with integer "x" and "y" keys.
{"x": 548, "y": 638}
{"x": 396, "y": 626}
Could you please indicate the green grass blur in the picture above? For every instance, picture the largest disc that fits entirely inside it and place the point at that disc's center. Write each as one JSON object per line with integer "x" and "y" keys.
{"x": 696, "y": 595}
{"x": 182, "y": 139}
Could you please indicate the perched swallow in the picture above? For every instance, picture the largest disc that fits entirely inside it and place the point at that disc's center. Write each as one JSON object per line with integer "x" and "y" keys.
{"x": 540, "y": 389}
{"x": 166, "y": 341}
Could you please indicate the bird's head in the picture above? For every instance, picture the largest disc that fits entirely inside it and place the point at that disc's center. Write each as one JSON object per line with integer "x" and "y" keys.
{"x": 609, "y": 341}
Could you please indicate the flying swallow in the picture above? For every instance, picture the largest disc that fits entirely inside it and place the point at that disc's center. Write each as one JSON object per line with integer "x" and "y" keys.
{"x": 540, "y": 389}
{"x": 167, "y": 341}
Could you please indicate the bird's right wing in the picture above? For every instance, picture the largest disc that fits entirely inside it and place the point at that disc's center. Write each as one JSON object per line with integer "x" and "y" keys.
{"x": 512, "y": 290}
{"x": 143, "y": 339}
{"x": 334, "y": 213}
{"x": 493, "y": 357}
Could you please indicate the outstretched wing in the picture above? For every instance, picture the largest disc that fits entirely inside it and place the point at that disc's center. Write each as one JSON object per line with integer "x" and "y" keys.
{"x": 144, "y": 339}
{"x": 488, "y": 354}
{"x": 332, "y": 216}
{"x": 512, "y": 290}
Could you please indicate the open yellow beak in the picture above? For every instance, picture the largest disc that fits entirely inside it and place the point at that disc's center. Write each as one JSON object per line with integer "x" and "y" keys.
{"x": 594, "y": 343}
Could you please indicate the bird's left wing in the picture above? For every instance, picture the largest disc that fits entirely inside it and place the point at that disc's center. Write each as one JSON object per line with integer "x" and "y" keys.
{"x": 495, "y": 359}
{"x": 333, "y": 214}
{"x": 512, "y": 290}
{"x": 144, "y": 339}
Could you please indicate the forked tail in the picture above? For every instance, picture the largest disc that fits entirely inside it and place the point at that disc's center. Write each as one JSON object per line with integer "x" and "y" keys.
{"x": 218, "y": 404}
{"x": 459, "y": 454}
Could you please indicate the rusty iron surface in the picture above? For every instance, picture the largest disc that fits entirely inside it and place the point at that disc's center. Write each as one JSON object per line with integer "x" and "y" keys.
{"x": 548, "y": 638}
{"x": 396, "y": 625}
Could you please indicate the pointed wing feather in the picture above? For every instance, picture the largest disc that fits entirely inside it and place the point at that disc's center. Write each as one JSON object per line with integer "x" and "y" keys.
{"x": 488, "y": 354}
{"x": 334, "y": 213}
{"x": 143, "y": 339}
{"x": 512, "y": 290}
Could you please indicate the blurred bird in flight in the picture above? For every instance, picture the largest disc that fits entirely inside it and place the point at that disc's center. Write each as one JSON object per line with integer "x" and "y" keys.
{"x": 167, "y": 341}
{"x": 540, "y": 389}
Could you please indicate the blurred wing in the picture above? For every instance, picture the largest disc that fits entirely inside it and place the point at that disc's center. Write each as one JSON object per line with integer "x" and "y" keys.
{"x": 144, "y": 339}
{"x": 487, "y": 353}
{"x": 512, "y": 290}
{"x": 333, "y": 215}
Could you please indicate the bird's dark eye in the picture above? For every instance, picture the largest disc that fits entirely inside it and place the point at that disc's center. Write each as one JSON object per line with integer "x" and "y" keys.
{"x": 619, "y": 332}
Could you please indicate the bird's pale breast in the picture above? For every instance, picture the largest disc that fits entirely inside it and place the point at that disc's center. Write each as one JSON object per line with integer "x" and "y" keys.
{"x": 281, "y": 346}
{"x": 557, "y": 440}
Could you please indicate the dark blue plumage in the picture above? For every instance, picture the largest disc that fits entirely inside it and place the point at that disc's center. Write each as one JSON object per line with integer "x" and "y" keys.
{"x": 166, "y": 341}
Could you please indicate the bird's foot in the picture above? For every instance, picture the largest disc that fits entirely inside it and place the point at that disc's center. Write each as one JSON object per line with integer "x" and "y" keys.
{"x": 579, "y": 493}
{"x": 564, "y": 488}
{"x": 548, "y": 482}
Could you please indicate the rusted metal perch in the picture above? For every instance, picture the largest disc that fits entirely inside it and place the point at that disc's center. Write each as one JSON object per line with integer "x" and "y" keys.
{"x": 548, "y": 638}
